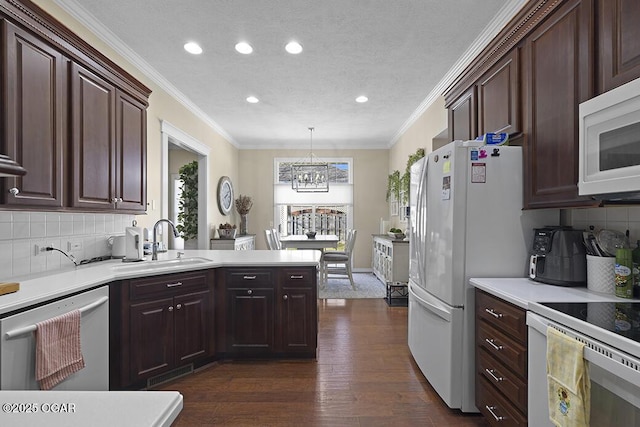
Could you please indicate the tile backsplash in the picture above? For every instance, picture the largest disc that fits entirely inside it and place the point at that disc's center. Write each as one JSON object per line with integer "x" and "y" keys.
{"x": 84, "y": 235}
{"x": 619, "y": 218}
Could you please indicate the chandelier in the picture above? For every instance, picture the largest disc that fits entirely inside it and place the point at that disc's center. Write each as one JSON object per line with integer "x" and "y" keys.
{"x": 310, "y": 177}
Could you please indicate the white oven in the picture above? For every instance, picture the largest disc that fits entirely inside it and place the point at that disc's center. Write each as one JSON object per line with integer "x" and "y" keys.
{"x": 17, "y": 343}
{"x": 609, "y": 148}
{"x": 614, "y": 372}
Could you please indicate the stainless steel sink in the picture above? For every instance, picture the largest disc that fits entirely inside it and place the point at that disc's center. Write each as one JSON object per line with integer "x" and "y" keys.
{"x": 151, "y": 266}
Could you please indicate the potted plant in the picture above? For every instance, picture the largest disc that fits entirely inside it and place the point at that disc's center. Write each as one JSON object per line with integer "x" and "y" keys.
{"x": 243, "y": 206}
{"x": 188, "y": 203}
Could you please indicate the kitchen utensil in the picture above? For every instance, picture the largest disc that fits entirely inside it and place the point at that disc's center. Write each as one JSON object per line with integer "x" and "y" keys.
{"x": 610, "y": 240}
{"x": 118, "y": 246}
{"x": 134, "y": 250}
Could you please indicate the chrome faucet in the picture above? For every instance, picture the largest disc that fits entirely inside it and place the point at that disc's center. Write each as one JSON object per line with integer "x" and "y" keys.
{"x": 154, "y": 246}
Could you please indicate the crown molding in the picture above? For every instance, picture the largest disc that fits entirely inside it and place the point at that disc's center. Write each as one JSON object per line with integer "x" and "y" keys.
{"x": 506, "y": 13}
{"x": 79, "y": 13}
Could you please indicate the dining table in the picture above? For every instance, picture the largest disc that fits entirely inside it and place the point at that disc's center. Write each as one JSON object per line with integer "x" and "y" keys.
{"x": 301, "y": 241}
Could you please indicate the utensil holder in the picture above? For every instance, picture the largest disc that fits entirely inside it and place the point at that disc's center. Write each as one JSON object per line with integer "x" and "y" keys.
{"x": 601, "y": 274}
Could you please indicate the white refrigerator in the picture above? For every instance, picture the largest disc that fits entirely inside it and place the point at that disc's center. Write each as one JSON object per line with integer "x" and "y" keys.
{"x": 466, "y": 220}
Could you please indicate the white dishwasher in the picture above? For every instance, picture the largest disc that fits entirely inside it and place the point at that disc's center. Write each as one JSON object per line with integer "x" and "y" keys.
{"x": 17, "y": 343}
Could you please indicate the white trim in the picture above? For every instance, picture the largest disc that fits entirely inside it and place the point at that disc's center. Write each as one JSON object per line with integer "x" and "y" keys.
{"x": 505, "y": 14}
{"x": 80, "y": 14}
{"x": 184, "y": 140}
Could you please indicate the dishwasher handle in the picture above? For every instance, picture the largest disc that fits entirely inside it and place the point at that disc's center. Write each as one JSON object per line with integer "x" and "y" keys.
{"x": 31, "y": 328}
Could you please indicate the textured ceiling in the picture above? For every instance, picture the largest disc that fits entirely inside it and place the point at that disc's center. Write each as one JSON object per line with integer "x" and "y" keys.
{"x": 396, "y": 52}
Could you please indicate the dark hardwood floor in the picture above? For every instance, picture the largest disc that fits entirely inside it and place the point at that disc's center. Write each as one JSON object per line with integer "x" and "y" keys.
{"x": 364, "y": 376}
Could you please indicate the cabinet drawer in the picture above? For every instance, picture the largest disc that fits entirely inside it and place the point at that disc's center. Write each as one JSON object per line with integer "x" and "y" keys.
{"x": 250, "y": 277}
{"x": 167, "y": 285}
{"x": 496, "y": 409}
{"x": 503, "y": 315}
{"x": 512, "y": 386}
{"x": 503, "y": 348}
{"x": 298, "y": 276}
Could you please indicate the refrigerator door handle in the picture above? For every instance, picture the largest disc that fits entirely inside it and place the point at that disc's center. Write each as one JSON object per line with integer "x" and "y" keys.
{"x": 420, "y": 223}
{"x": 432, "y": 306}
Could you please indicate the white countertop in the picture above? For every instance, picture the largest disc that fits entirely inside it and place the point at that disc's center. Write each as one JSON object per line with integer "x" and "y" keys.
{"x": 523, "y": 291}
{"x": 42, "y": 287}
{"x": 89, "y": 408}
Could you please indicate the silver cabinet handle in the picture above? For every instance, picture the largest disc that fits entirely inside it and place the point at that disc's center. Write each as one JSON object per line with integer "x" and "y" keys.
{"x": 114, "y": 200}
{"x": 297, "y": 277}
{"x": 173, "y": 285}
{"x": 490, "y": 409}
{"x": 14, "y": 191}
{"x": 493, "y": 313}
{"x": 491, "y": 343}
{"x": 120, "y": 200}
{"x": 285, "y": 297}
{"x": 179, "y": 306}
{"x": 491, "y": 373}
{"x": 249, "y": 292}
{"x": 170, "y": 308}
{"x": 249, "y": 277}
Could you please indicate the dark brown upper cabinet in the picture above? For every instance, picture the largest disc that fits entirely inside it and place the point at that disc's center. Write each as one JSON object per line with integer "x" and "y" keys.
{"x": 93, "y": 140}
{"x": 35, "y": 79}
{"x": 462, "y": 116}
{"x": 499, "y": 101}
{"x": 619, "y": 43}
{"x": 71, "y": 117}
{"x": 559, "y": 58}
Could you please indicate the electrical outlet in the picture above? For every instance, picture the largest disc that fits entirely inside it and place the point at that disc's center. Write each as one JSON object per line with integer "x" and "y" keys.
{"x": 74, "y": 246}
{"x": 36, "y": 250}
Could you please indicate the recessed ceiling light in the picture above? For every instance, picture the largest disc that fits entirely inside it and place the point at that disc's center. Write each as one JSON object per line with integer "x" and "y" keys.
{"x": 244, "y": 48}
{"x": 362, "y": 99}
{"x": 252, "y": 100}
{"x": 193, "y": 47}
{"x": 293, "y": 48}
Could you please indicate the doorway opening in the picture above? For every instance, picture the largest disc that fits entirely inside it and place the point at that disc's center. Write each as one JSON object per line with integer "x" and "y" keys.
{"x": 175, "y": 139}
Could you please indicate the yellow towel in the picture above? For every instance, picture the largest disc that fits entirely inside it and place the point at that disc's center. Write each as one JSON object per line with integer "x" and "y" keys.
{"x": 569, "y": 387}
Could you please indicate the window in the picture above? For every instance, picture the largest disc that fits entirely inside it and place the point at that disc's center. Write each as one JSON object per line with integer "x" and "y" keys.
{"x": 326, "y": 213}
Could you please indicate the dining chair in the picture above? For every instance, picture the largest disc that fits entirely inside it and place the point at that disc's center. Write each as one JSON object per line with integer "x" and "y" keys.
{"x": 339, "y": 262}
{"x": 275, "y": 236}
{"x": 269, "y": 238}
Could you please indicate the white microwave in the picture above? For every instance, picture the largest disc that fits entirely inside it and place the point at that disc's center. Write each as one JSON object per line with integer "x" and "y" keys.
{"x": 609, "y": 131}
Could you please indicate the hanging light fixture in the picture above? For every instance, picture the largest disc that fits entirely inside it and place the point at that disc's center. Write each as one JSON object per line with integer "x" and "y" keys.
{"x": 310, "y": 177}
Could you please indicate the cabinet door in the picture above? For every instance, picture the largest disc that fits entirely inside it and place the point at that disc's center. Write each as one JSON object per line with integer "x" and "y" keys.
{"x": 151, "y": 338}
{"x": 93, "y": 140}
{"x": 619, "y": 47}
{"x": 193, "y": 321}
{"x": 131, "y": 153}
{"x": 499, "y": 103}
{"x": 298, "y": 317}
{"x": 250, "y": 320}
{"x": 35, "y": 82}
{"x": 462, "y": 116}
{"x": 559, "y": 54}
{"x": 298, "y": 311}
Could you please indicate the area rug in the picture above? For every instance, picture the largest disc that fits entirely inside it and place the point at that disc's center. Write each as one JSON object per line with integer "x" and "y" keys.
{"x": 367, "y": 286}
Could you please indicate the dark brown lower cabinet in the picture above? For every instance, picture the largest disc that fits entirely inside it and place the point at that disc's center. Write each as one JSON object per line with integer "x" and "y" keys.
{"x": 501, "y": 361}
{"x": 158, "y": 324}
{"x": 266, "y": 312}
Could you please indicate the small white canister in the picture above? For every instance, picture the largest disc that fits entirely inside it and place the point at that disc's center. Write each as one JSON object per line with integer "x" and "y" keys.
{"x": 601, "y": 274}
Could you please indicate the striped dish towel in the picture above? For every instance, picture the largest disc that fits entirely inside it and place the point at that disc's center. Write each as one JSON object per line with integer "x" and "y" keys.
{"x": 58, "y": 351}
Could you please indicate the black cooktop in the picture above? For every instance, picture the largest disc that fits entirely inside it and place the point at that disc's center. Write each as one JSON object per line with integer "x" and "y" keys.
{"x": 622, "y": 318}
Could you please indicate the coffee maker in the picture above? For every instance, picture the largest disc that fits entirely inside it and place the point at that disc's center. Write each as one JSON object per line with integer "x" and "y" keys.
{"x": 558, "y": 257}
